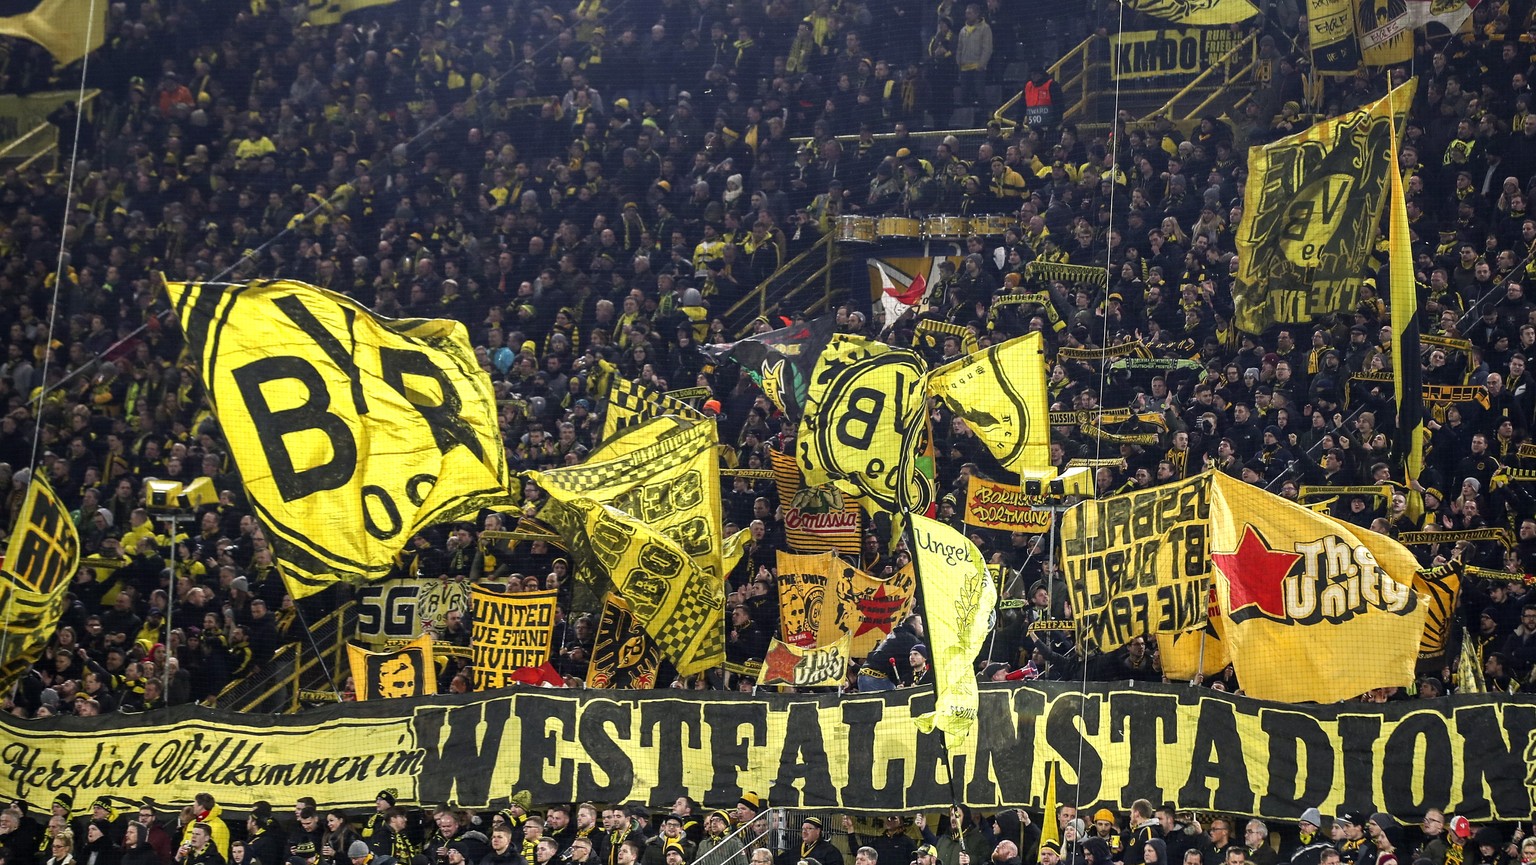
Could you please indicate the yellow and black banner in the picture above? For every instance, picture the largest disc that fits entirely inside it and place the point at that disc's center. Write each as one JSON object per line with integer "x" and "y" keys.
{"x": 1192, "y": 654}
{"x": 65, "y": 27}
{"x": 1071, "y": 274}
{"x": 1139, "y": 563}
{"x": 351, "y": 431}
{"x": 957, "y": 616}
{"x": 623, "y": 654}
{"x": 509, "y": 632}
{"x": 406, "y": 608}
{"x": 40, "y": 560}
{"x": 1131, "y": 348}
{"x": 864, "y": 413}
{"x": 1312, "y": 209}
{"x": 808, "y": 667}
{"x": 1445, "y": 394}
{"x": 1335, "y": 48}
{"x": 1206, "y": 13}
{"x": 807, "y": 586}
{"x": 1414, "y": 539}
{"x": 1102, "y": 746}
{"x": 1006, "y": 507}
{"x": 631, "y": 403}
{"x": 1000, "y": 393}
{"x": 869, "y": 608}
{"x": 324, "y": 12}
{"x": 816, "y": 518}
{"x": 1170, "y": 51}
{"x": 410, "y": 671}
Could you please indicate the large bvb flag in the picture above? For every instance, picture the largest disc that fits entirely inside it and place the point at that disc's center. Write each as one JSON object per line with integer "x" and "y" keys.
{"x": 1313, "y": 203}
{"x": 42, "y": 557}
{"x": 67, "y": 28}
{"x": 351, "y": 431}
{"x": 1000, "y": 392}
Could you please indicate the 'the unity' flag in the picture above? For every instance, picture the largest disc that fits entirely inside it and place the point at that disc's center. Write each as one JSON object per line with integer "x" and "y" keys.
{"x": 1311, "y": 211}
{"x": 781, "y": 361}
{"x": 65, "y": 27}
{"x": 959, "y": 600}
{"x": 351, "y": 431}
{"x": 1314, "y": 609}
{"x": 807, "y": 587}
{"x": 864, "y": 413}
{"x": 623, "y": 654}
{"x": 1204, "y": 13}
{"x": 510, "y": 632}
{"x": 1000, "y": 393}
{"x": 409, "y": 671}
{"x": 40, "y": 561}
{"x": 806, "y": 667}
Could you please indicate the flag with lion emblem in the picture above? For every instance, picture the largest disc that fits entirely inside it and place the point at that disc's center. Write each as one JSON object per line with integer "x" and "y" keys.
{"x": 409, "y": 671}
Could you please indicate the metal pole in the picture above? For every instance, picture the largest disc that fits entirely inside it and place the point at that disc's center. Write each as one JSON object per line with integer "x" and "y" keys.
{"x": 170, "y": 594}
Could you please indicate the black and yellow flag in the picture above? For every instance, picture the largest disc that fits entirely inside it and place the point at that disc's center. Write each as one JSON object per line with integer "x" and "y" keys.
{"x": 782, "y": 361}
{"x": 65, "y": 27}
{"x": 1441, "y": 590}
{"x": 1407, "y": 366}
{"x": 409, "y": 671}
{"x": 40, "y": 561}
{"x": 1000, "y": 393}
{"x": 632, "y": 403}
{"x": 508, "y": 633}
{"x": 351, "y": 431}
{"x": 807, "y": 587}
{"x": 863, "y": 419}
{"x": 1204, "y": 13}
{"x": 323, "y": 12}
{"x": 1313, "y": 205}
{"x": 623, "y": 654}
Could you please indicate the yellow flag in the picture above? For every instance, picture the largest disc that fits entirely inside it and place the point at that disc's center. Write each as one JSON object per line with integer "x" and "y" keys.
{"x": 1000, "y": 392}
{"x": 409, "y": 671}
{"x": 1050, "y": 827}
{"x": 40, "y": 561}
{"x": 623, "y": 655}
{"x": 1205, "y": 13}
{"x": 1407, "y": 368}
{"x": 809, "y": 667}
{"x": 510, "y": 632}
{"x": 864, "y": 412}
{"x": 1311, "y": 215}
{"x": 1193, "y": 652}
{"x": 1315, "y": 609}
{"x": 1469, "y": 668}
{"x": 631, "y": 403}
{"x": 959, "y": 600}
{"x": 815, "y": 518}
{"x": 351, "y": 431}
{"x": 1441, "y": 587}
{"x": 64, "y": 27}
{"x": 869, "y": 608}
{"x": 323, "y": 12}
{"x": 807, "y": 586}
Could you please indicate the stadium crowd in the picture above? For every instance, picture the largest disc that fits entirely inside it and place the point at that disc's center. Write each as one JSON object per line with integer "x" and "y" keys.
{"x": 681, "y": 833}
{"x": 590, "y": 186}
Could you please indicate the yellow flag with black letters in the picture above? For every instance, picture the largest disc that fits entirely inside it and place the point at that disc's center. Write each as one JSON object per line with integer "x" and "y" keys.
{"x": 65, "y": 27}
{"x": 409, "y": 671}
{"x": 510, "y": 631}
{"x": 631, "y": 403}
{"x": 1000, "y": 393}
{"x": 40, "y": 560}
{"x": 959, "y": 600}
{"x": 351, "y": 431}
{"x": 863, "y": 416}
{"x": 1204, "y": 13}
{"x": 1311, "y": 214}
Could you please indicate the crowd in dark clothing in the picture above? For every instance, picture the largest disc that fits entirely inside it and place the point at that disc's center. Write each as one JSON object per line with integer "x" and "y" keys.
{"x": 589, "y": 187}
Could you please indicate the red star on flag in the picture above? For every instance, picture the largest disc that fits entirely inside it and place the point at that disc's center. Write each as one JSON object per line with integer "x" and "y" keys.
{"x": 877, "y": 611}
{"x": 779, "y": 666}
{"x": 1256, "y": 574}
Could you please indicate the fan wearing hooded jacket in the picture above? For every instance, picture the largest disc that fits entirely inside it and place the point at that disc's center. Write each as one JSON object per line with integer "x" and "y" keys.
{"x": 965, "y": 836}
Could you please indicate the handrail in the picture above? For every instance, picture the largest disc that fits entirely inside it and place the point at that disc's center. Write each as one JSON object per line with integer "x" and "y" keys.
{"x": 44, "y": 128}
{"x": 279, "y": 657}
{"x": 1251, "y": 40}
{"x": 824, "y": 271}
{"x": 255, "y": 689}
{"x": 1056, "y": 71}
{"x": 1235, "y": 78}
{"x": 5, "y": 151}
{"x": 761, "y": 291}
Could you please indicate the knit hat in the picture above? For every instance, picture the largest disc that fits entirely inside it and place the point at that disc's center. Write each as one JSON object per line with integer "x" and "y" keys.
{"x": 1313, "y": 816}
{"x": 1103, "y": 815}
{"x": 358, "y": 849}
{"x": 722, "y": 814}
{"x": 522, "y": 799}
{"x": 388, "y": 794}
{"x": 751, "y": 800}
{"x": 1053, "y": 846}
{"x": 102, "y": 802}
{"x": 930, "y": 850}
{"x": 674, "y": 846}
{"x": 812, "y": 821}
{"x": 65, "y": 800}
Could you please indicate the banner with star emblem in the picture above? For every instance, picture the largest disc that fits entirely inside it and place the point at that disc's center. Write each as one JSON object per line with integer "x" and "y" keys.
{"x": 869, "y": 608}
{"x": 1314, "y": 609}
{"x": 806, "y": 667}
{"x": 864, "y": 414}
{"x": 409, "y": 671}
{"x": 1312, "y": 208}
{"x": 959, "y": 600}
{"x": 781, "y": 361}
{"x": 1000, "y": 394}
